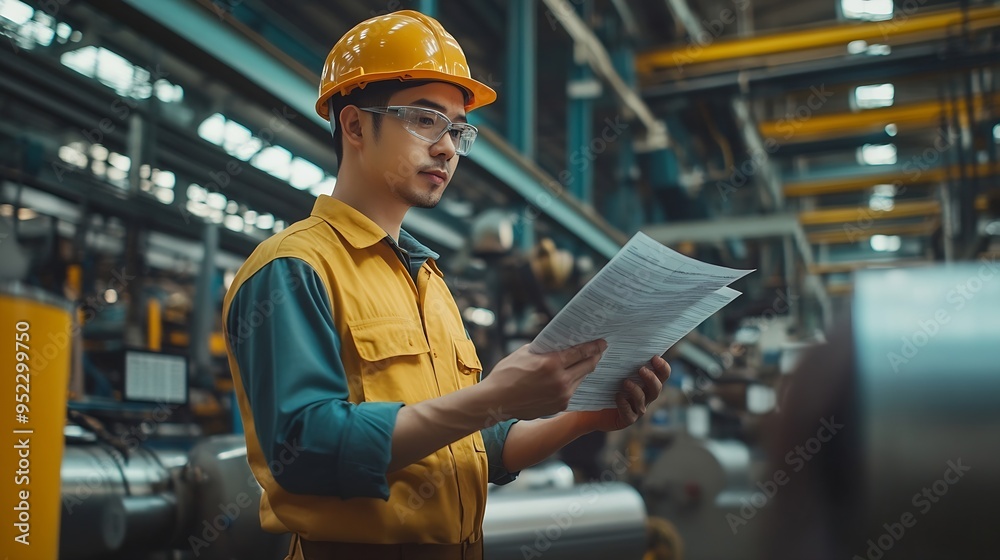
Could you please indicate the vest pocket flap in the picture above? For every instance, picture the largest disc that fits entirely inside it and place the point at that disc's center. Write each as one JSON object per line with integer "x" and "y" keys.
{"x": 468, "y": 361}
{"x": 379, "y": 339}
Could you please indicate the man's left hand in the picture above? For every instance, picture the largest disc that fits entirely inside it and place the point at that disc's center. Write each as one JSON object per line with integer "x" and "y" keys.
{"x": 632, "y": 399}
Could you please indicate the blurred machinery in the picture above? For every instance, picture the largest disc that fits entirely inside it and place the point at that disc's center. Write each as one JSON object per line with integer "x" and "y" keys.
{"x": 184, "y": 497}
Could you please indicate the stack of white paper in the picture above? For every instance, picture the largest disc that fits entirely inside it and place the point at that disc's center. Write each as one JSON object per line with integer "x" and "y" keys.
{"x": 645, "y": 300}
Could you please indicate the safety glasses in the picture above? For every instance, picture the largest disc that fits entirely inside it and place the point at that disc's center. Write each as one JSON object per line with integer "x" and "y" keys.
{"x": 431, "y": 126}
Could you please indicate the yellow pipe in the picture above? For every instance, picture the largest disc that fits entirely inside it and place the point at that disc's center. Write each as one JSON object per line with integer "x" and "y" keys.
{"x": 855, "y": 234}
{"x": 154, "y": 330}
{"x": 863, "y": 215}
{"x": 911, "y": 174}
{"x": 885, "y": 32}
{"x": 915, "y": 116}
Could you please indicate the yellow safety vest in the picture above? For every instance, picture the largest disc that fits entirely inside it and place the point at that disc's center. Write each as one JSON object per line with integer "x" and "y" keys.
{"x": 401, "y": 342}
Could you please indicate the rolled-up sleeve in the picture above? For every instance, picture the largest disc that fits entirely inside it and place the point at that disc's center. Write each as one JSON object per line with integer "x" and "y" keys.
{"x": 281, "y": 331}
{"x": 495, "y": 437}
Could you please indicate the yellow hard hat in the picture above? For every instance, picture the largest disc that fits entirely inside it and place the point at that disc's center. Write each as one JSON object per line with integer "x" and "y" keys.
{"x": 403, "y": 45}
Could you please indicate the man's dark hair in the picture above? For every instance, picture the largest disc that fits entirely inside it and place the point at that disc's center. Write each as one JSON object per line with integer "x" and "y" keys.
{"x": 375, "y": 94}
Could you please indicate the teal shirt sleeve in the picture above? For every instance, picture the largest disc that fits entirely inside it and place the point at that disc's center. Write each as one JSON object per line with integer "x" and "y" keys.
{"x": 495, "y": 437}
{"x": 281, "y": 331}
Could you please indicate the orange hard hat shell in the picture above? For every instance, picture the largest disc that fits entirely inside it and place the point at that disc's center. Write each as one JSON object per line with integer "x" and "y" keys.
{"x": 403, "y": 45}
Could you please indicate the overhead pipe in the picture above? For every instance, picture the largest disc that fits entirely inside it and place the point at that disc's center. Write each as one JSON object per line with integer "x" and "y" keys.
{"x": 903, "y": 176}
{"x": 854, "y": 266}
{"x": 904, "y": 29}
{"x": 914, "y": 116}
{"x": 849, "y": 235}
{"x": 828, "y": 216}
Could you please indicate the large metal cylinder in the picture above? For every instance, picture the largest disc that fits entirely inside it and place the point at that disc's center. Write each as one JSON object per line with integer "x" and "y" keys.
{"x": 205, "y": 502}
{"x": 928, "y": 384}
{"x": 693, "y": 472}
{"x": 112, "y": 504}
{"x": 595, "y": 521}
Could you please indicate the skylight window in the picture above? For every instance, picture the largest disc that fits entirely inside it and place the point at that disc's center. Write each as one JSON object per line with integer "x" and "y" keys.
{"x": 883, "y": 198}
{"x": 886, "y": 243}
{"x": 325, "y": 186}
{"x": 238, "y": 141}
{"x": 877, "y": 154}
{"x": 874, "y": 96}
{"x": 28, "y": 28}
{"x": 304, "y": 174}
{"x": 274, "y": 160}
{"x": 116, "y": 72}
{"x": 868, "y": 10}
{"x": 213, "y": 129}
{"x": 16, "y": 12}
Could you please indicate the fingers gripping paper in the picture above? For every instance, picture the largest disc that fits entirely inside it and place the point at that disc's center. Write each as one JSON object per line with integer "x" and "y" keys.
{"x": 645, "y": 300}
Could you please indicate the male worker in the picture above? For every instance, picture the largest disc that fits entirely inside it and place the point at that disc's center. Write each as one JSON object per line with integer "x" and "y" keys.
{"x": 365, "y": 420}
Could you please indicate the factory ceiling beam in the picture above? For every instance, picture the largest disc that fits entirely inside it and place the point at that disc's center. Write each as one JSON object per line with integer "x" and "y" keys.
{"x": 717, "y": 231}
{"x": 776, "y": 80}
{"x": 904, "y": 176}
{"x": 743, "y": 53}
{"x": 203, "y": 29}
{"x": 853, "y": 266}
{"x": 914, "y": 116}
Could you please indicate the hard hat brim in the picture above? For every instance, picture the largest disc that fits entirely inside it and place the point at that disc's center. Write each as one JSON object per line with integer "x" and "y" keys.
{"x": 479, "y": 94}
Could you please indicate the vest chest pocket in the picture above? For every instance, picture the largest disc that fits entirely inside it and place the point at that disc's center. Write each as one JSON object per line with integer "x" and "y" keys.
{"x": 470, "y": 367}
{"x": 393, "y": 360}
{"x": 468, "y": 361}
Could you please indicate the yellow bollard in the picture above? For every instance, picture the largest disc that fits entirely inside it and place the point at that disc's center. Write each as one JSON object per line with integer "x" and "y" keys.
{"x": 35, "y": 347}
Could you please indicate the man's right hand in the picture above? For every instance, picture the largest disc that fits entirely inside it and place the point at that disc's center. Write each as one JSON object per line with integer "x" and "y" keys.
{"x": 526, "y": 385}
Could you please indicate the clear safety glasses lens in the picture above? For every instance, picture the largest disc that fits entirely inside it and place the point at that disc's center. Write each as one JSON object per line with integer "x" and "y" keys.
{"x": 430, "y": 125}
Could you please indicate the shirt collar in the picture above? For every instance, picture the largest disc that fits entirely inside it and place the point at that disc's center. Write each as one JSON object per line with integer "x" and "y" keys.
{"x": 416, "y": 249}
{"x": 361, "y": 232}
{"x": 357, "y": 228}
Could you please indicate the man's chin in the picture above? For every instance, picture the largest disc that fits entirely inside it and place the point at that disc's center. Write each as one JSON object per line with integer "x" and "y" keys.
{"x": 423, "y": 200}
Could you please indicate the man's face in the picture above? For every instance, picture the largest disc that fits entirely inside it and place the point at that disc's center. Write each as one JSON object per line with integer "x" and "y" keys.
{"x": 413, "y": 170}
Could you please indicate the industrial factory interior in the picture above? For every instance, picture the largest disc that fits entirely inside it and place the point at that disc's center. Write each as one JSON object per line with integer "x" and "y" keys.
{"x": 501, "y": 279}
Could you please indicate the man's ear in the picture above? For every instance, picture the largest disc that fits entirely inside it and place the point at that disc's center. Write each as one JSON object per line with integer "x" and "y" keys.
{"x": 350, "y": 126}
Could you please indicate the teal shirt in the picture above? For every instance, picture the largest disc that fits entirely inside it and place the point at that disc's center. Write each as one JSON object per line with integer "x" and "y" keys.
{"x": 289, "y": 356}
